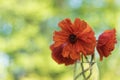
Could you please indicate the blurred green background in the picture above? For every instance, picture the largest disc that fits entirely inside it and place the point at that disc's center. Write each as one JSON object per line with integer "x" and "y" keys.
{"x": 26, "y": 30}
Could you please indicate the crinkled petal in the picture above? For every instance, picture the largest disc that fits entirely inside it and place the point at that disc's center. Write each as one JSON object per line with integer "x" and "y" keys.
{"x": 57, "y": 55}
{"x": 66, "y": 50}
{"x": 88, "y": 42}
{"x": 60, "y": 38}
{"x": 74, "y": 55}
{"x": 79, "y": 48}
{"x": 65, "y": 25}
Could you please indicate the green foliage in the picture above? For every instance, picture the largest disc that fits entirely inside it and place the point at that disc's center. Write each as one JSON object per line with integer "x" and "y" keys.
{"x": 26, "y": 28}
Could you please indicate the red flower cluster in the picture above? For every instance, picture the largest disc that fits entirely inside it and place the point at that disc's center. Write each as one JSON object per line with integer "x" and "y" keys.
{"x": 76, "y": 39}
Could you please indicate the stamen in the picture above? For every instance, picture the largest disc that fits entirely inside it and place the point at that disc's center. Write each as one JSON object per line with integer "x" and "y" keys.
{"x": 72, "y": 38}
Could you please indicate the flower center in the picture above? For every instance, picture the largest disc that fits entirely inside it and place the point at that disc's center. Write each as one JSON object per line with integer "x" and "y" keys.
{"x": 72, "y": 38}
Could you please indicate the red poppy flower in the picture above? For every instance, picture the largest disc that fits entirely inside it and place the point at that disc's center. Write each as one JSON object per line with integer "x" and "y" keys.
{"x": 75, "y": 39}
{"x": 106, "y": 43}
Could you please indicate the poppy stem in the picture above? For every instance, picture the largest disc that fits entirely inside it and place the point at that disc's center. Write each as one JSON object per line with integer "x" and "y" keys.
{"x": 82, "y": 67}
{"x": 75, "y": 66}
{"x": 83, "y": 71}
{"x": 90, "y": 64}
{"x": 92, "y": 57}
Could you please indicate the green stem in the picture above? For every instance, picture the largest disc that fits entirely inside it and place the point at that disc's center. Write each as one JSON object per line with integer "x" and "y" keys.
{"x": 82, "y": 66}
{"x": 92, "y": 58}
{"x": 83, "y": 71}
{"x": 75, "y": 70}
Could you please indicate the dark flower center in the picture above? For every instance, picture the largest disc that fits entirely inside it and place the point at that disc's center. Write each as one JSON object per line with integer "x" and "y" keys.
{"x": 72, "y": 38}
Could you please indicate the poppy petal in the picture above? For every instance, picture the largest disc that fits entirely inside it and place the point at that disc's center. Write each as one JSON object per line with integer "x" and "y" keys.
{"x": 65, "y": 25}
{"x": 57, "y": 55}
